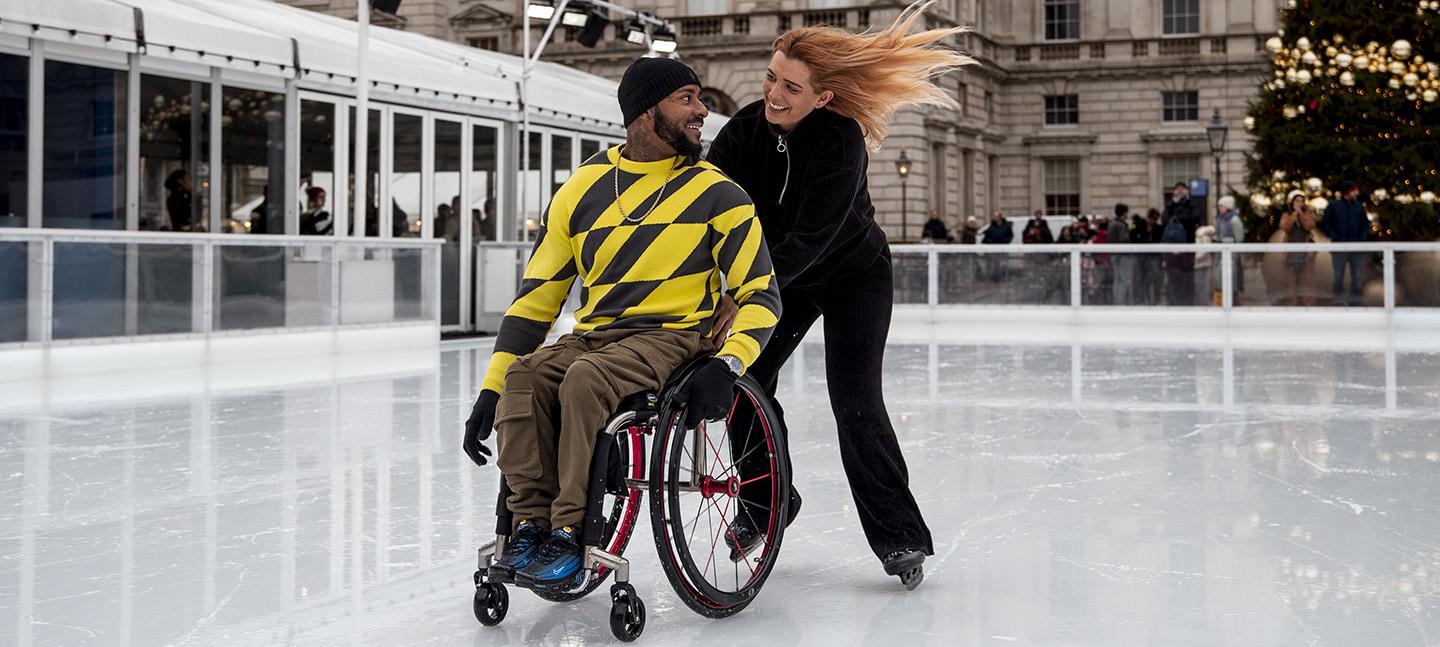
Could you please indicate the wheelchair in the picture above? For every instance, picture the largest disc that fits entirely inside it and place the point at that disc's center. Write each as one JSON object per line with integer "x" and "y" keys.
{"x": 699, "y": 481}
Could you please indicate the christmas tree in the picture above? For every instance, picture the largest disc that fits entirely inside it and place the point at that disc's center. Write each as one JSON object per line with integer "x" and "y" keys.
{"x": 1352, "y": 95}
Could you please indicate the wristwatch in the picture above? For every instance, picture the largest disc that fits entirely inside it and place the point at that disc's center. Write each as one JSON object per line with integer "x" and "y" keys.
{"x": 733, "y": 363}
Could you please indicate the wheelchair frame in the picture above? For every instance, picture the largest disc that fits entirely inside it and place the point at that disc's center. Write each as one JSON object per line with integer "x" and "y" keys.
{"x": 603, "y": 541}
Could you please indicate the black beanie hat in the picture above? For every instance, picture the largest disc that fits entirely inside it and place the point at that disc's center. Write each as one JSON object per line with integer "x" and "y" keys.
{"x": 648, "y": 80}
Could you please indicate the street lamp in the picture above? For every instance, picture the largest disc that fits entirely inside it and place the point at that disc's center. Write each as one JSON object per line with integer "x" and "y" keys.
{"x": 1216, "y": 131}
{"x": 902, "y": 166}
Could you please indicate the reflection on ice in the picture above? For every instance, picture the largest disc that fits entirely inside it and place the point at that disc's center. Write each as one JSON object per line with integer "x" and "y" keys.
{"x": 1080, "y": 493}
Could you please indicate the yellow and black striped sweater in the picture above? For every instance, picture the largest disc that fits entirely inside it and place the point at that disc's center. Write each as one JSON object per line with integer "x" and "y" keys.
{"x": 661, "y": 272}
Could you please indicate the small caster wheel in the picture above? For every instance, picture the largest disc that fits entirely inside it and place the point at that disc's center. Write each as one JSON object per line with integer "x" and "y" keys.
{"x": 491, "y": 603}
{"x": 627, "y": 613}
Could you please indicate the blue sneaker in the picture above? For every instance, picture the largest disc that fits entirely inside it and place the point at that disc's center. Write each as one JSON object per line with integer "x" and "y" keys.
{"x": 520, "y": 550}
{"x": 558, "y": 566}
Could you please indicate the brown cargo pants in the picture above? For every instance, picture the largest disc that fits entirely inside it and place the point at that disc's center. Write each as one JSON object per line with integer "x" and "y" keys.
{"x": 558, "y": 399}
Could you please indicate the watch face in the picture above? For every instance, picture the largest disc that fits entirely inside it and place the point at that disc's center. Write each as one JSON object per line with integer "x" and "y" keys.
{"x": 734, "y": 364}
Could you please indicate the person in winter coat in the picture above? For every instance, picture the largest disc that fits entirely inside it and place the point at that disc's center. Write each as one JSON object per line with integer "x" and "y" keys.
{"x": 935, "y": 230}
{"x": 1230, "y": 229}
{"x": 801, "y": 152}
{"x": 1345, "y": 222}
{"x": 1180, "y": 268}
{"x": 970, "y": 232}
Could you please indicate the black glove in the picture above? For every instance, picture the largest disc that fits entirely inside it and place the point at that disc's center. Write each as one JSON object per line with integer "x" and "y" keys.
{"x": 708, "y": 394}
{"x": 479, "y": 426}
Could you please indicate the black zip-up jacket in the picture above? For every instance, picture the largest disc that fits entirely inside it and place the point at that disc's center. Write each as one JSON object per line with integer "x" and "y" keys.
{"x": 810, "y": 192}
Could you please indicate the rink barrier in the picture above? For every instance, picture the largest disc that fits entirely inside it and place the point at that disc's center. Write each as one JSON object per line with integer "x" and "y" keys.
{"x": 1238, "y": 284}
{"x": 63, "y": 289}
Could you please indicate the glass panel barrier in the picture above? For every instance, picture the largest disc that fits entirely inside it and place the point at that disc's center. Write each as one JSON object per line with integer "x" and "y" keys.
{"x": 89, "y": 290}
{"x": 164, "y": 286}
{"x": 910, "y": 277}
{"x": 120, "y": 289}
{"x": 1305, "y": 278}
{"x": 309, "y": 270}
{"x": 250, "y": 287}
{"x": 1124, "y": 278}
{"x": 1005, "y": 278}
{"x": 1417, "y": 278}
{"x": 14, "y": 282}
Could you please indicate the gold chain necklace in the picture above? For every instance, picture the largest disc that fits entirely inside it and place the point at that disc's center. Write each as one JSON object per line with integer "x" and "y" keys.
{"x": 658, "y": 196}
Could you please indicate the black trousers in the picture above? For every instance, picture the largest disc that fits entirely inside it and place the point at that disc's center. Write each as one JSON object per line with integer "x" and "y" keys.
{"x": 857, "y": 323}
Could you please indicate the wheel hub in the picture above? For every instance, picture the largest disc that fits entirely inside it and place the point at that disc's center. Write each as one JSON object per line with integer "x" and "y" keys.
{"x": 710, "y": 486}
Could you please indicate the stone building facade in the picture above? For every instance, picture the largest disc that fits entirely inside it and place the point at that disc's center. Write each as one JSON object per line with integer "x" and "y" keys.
{"x": 1072, "y": 106}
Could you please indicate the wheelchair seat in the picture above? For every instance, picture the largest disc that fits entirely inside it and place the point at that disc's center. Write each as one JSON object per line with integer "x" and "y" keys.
{"x": 639, "y": 403}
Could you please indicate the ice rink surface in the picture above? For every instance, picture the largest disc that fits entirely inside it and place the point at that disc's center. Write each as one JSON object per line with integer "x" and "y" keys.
{"x": 1148, "y": 493}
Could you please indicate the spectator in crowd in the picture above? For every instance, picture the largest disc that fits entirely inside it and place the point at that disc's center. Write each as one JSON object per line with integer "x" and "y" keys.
{"x": 970, "y": 232}
{"x": 1152, "y": 222}
{"x": 1139, "y": 228}
{"x": 1037, "y": 231}
{"x": 935, "y": 230}
{"x": 1067, "y": 236}
{"x": 1230, "y": 229}
{"x": 1082, "y": 229}
{"x": 178, "y": 203}
{"x": 1149, "y": 269}
{"x": 1118, "y": 232}
{"x": 316, "y": 220}
{"x": 1297, "y": 225}
{"x": 1345, "y": 222}
{"x": 1179, "y": 268}
{"x": 1203, "y": 277}
{"x": 999, "y": 232}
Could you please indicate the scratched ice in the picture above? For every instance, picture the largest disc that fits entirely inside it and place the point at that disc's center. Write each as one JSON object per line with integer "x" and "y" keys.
{"x": 1080, "y": 494}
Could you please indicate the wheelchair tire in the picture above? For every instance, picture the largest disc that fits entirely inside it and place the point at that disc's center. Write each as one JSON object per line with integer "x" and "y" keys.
{"x": 689, "y": 563}
{"x": 619, "y": 528}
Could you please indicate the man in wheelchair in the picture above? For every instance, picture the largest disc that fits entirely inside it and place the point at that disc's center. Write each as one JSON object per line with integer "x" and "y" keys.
{"x": 650, "y": 231}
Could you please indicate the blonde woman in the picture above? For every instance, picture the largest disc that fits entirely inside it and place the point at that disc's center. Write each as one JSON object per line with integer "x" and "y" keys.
{"x": 801, "y": 153}
{"x": 1298, "y": 224}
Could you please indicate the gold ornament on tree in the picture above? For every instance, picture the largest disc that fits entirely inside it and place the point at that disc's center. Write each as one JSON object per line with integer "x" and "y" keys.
{"x": 1401, "y": 49}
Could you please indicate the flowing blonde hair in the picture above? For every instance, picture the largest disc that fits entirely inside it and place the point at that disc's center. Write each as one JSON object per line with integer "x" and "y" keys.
{"x": 874, "y": 74}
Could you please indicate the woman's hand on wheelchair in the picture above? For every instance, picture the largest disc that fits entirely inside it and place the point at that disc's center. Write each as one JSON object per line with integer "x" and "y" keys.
{"x": 479, "y": 425}
{"x": 708, "y": 394}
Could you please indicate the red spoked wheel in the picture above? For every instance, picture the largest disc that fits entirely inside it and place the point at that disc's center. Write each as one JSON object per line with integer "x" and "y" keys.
{"x": 624, "y": 512}
{"x": 704, "y": 484}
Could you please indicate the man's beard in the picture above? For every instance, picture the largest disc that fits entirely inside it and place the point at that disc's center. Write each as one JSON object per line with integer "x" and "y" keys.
{"x": 673, "y": 134}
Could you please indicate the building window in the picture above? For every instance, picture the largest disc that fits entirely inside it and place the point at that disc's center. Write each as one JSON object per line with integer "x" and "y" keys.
{"x": 1062, "y": 187}
{"x": 14, "y": 144}
{"x": 1062, "y": 110}
{"x": 484, "y": 169}
{"x": 989, "y": 106}
{"x": 446, "y": 189}
{"x": 365, "y": 219}
{"x": 962, "y": 99}
{"x": 317, "y": 167}
{"x": 252, "y": 155}
{"x": 491, "y": 43}
{"x": 1181, "y": 17}
{"x": 938, "y": 184}
{"x": 1180, "y": 106}
{"x": 174, "y": 154}
{"x": 1175, "y": 170}
{"x": 406, "y": 191}
{"x": 84, "y": 146}
{"x": 1062, "y": 19}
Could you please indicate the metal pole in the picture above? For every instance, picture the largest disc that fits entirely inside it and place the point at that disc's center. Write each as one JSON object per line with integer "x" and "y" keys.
{"x": 904, "y": 212}
{"x": 362, "y": 121}
{"x": 524, "y": 125}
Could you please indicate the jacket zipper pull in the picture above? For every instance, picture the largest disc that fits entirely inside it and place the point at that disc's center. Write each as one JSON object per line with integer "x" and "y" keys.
{"x": 780, "y": 144}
